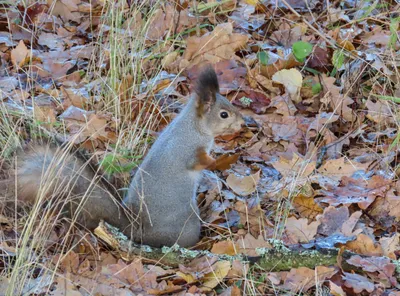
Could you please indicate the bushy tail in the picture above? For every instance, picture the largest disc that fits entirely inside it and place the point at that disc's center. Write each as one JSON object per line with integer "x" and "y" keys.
{"x": 53, "y": 175}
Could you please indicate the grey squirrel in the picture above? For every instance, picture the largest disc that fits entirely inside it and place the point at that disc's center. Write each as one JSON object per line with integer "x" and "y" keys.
{"x": 162, "y": 193}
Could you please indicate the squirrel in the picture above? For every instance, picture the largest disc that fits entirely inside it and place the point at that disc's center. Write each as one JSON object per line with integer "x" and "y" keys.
{"x": 162, "y": 194}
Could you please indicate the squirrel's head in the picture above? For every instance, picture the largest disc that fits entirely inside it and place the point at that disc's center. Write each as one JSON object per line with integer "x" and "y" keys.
{"x": 214, "y": 111}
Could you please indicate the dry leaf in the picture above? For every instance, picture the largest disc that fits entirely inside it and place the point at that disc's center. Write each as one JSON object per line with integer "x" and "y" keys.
{"x": 20, "y": 54}
{"x": 303, "y": 278}
{"x": 243, "y": 185}
{"x": 364, "y": 245}
{"x": 300, "y": 231}
{"x": 224, "y": 247}
{"x": 213, "y": 279}
{"x": 215, "y": 46}
{"x": 306, "y": 206}
{"x": 292, "y": 80}
{"x": 248, "y": 244}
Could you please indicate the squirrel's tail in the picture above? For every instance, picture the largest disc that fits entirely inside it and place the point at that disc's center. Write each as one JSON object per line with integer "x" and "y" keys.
{"x": 54, "y": 175}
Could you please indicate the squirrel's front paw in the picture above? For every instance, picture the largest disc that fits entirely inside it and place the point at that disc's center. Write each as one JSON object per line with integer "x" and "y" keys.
{"x": 203, "y": 160}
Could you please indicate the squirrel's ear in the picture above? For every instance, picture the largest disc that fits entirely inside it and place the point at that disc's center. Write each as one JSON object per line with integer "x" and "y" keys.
{"x": 206, "y": 90}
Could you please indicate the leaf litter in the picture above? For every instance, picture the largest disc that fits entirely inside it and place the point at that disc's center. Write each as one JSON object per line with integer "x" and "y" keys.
{"x": 319, "y": 159}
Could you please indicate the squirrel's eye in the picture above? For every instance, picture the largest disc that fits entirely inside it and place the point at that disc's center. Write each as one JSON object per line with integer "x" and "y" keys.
{"x": 224, "y": 114}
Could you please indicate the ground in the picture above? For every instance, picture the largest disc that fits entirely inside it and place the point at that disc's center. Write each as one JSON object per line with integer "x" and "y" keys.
{"x": 304, "y": 201}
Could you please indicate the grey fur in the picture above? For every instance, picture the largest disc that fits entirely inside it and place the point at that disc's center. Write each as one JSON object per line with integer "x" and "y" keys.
{"x": 163, "y": 191}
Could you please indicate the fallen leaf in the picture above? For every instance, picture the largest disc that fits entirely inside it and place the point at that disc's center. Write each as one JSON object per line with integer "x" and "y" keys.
{"x": 292, "y": 80}
{"x": 224, "y": 247}
{"x": 19, "y": 54}
{"x": 300, "y": 231}
{"x": 360, "y": 191}
{"x": 336, "y": 169}
{"x": 214, "y": 278}
{"x": 364, "y": 245}
{"x": 338, "y": 102}
{"x": 303, "y": 278}
{"x": 248, "y": 244}
{"x": 390, "y": 245}
{"x": 382, "y": 265}
{"x": 332, "y": 220}
{"x": 357, "y": 282}
{"x": 220, "y": 44}
{"x": 243, "y": 185}
{"x": 306, "y": 206}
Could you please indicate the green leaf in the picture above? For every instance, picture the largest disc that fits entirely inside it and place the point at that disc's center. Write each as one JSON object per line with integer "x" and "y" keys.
{"x": 263, "y": 58}
{"x": 389, "y": 98}
{"x": 301, "y": 50}
{"x": 338, "y": 59}
{"x": 111, "y": 164}
{"x": 316, "y": 88}
{"x": 313, "y": 71}
{"x": 394, "y": 27}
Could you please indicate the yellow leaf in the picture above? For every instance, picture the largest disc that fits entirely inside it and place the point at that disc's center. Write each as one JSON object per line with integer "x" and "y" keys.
{"x": 187, "y": 277}
{"x": 252, "y": 2}
{"x": 291, "y": 80}
{"x": 212, "y": 279}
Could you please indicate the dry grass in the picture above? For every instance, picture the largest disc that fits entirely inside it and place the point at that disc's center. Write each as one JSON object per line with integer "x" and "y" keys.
{"x": 124, "y": 49}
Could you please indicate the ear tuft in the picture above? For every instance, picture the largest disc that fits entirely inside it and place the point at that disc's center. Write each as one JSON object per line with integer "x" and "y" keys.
{"x": 206, "y": 89}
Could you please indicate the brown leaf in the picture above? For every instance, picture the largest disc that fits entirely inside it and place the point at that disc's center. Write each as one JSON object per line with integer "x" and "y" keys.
{"x": 224, "y": 247}
{"x": 19, "y": 55}
{"x": 220, "y": 44}
{"x": 253, "y": 99}
{"x": 319, "y": 60}
{"x": 214, "y": 278}
{"x": 390, "y": 245}
{"x": 332, "y": 220}
{"x": 134, "y": 275}
{"x": 358, "y": 283}
{"x": 303, "y": 278}
{"x": 338, "y": 102}
{"x": 248, "y": 244}
{"x": 297, "y": 165}
{"x": 336, "y": 169}
{"x": 243, "y": 185}
{"x": 364, "y": 245}
{"x": 252, "y": 216}
{"x": 357, "y": 191}
{"x": 382, "y": 265}
{"x": 299, "y": 231}
{"x": 306, "y": 206}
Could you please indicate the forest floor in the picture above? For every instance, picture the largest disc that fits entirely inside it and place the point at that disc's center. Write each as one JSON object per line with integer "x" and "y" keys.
{"x": 317, "y": 168}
